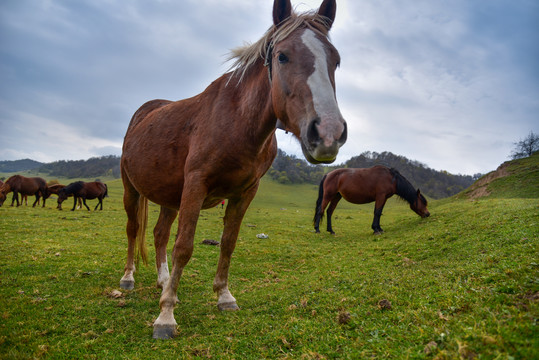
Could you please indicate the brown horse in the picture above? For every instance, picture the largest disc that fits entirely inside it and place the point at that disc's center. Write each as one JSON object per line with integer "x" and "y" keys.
{"x": 19, "y": 184}
{"x": 190, "y": 154}
{"x": 362, "y": 186}
{"x": 52, "y": 189}
{"x": 83, "y": 190}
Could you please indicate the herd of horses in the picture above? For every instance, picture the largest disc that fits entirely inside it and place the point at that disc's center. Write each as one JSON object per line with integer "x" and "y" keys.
{"x": 190, "y": 154}
{"x": 37, "y": 186}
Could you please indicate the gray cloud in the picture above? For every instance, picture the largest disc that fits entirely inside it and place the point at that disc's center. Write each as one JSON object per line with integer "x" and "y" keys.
{"x": 451, "y": 84}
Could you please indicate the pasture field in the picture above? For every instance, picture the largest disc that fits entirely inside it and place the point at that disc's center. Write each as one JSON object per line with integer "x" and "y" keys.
{"x": 461, "y": 284}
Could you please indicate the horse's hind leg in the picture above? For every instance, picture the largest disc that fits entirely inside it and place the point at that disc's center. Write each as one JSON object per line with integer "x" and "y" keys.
{"x": 378, "y": 207}
{"x": 161, "y": 234}
{"x": 235, "y": 211}
{"x": 99, "y": 202}
{"x": 319, "y": 214}
{"x": 331, "y": 209}
{"x": 131, "y": 197}
{"x": 37, "y": 200}
{"x": 84, "y": 202}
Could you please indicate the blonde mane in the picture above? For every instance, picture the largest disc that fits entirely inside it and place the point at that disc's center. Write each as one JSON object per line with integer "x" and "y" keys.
{"x": 244, "y": 57}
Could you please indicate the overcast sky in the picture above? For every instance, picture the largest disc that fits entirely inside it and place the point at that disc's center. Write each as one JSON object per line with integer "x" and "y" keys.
{"x": 452, "y": 84}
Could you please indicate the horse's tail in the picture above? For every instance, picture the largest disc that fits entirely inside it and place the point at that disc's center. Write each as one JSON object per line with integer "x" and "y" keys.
{"x": 106, "y": 191}
{"x": 318, "y": 213}
{"x": 142, "y": 220}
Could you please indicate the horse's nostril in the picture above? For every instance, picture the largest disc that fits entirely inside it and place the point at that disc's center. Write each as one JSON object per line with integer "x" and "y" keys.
{"x": 312, "y": 133}
{"x": 344, "y": 134}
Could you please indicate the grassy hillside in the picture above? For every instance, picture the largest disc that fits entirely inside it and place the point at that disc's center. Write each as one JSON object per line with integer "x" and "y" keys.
{"x": 460, "y": 284}
{"x": 513, "y": 179}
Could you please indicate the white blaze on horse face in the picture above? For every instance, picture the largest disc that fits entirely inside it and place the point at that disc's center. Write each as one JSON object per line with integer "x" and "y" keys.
{"x": 322, "y": 91}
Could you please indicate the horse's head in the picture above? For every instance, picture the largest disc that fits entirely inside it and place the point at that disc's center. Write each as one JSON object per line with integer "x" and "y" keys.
{"x": 420, "y": 205}
{"x": 301, "y": 63}
{"x": 4, "y": 190}
{"x": 62, "y": 195}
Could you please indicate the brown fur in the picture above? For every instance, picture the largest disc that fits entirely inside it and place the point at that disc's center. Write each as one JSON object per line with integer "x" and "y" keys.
{"x": 190, "y": 154}
{"x": 19, "y": 184}
{"x": 362, "y": 186}
{"x": 85, "y": 191}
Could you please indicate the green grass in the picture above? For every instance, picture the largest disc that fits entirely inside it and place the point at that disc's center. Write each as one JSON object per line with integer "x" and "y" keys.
{"x": 465, "y": 279}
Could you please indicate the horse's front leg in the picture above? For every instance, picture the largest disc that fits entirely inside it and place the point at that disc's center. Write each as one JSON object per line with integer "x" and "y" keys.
{"x": 15, "y": 198}
{"x": 193, "y": 196}
{"x": 161, "y": 234}
{"x": 74, "y": 202}
{"x": 235, "y": 211}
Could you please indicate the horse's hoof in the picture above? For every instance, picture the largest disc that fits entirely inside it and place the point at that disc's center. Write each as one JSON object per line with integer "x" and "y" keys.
{"x": 164, "y": 331}
{"x": 229, "y": 306}
{"x": 378, "y": 232}
{"x": 317, "y": 231}
{"x": 127, "y": 284}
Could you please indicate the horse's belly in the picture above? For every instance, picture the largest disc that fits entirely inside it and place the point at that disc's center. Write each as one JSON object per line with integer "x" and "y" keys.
{"x": 357, "y": 199}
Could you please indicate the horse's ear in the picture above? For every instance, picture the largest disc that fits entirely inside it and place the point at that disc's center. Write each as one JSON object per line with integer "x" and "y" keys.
{"x": 328, "y": 9}
{"x": 282, "y": 9}
{"x": 418, "y": 192}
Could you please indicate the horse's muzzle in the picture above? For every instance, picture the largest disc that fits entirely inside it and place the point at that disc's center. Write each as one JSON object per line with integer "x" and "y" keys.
{"x": 322, "y": 141}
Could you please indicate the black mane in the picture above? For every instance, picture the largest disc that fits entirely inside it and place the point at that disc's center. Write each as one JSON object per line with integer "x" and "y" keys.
{"x": 73, "y": 187}
{"x": 404, "y": 188}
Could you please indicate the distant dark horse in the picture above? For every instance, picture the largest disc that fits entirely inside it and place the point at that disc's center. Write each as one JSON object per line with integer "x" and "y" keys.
{"x": 25, "y": 186}
{"x": 362, "y": 186}
{"x": 82, "y": 190}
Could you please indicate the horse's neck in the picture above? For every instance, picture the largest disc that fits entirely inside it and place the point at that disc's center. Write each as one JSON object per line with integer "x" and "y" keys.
{"x": 254, "y": 115}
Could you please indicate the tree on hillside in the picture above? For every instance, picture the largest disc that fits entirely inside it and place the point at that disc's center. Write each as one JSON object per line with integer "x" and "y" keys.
{"x": 525, "y": 148}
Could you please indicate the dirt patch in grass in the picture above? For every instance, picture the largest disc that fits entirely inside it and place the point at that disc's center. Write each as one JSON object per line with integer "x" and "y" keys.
{"x": 480, "y": 187}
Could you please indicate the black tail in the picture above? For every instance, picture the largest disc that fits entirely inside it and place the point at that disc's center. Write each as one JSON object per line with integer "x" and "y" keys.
{"x": 318, "y": 214}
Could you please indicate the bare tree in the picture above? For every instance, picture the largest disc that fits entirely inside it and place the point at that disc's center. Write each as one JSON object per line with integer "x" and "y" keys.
{"x": 526, "y": 147}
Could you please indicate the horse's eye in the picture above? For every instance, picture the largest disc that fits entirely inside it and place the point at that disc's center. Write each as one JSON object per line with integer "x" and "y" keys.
{"x": 283, "y": 58}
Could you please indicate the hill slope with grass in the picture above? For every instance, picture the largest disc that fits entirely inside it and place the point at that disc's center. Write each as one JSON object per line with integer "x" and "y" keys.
{"x": 461, "y": 284}
{"x": 513, "y": 179}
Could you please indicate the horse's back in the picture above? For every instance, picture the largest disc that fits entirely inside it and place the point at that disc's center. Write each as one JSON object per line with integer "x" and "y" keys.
{"x": 40, "y": 182}
{"x": 26, "y": 185}
{"x": 94, "y": 190}
{"x": 363, "y": 185}
{"x": 146, "y": 109}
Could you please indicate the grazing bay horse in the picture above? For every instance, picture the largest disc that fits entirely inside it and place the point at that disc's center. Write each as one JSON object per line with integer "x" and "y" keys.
{"x": 362, "y": 186}
{"x": 54, "y": 189}
{"x": 83, "y": 190}
{"x": 19, "y": 184}
{"x": 190, "y": 154}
